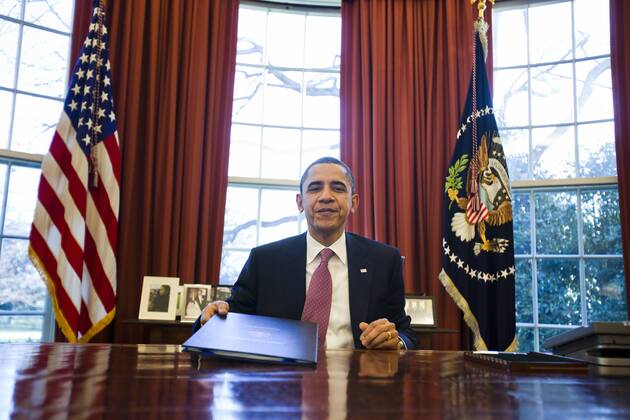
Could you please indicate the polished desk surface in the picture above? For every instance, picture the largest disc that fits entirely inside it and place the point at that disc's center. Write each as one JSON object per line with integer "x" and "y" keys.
{"x": 158, "y": 381}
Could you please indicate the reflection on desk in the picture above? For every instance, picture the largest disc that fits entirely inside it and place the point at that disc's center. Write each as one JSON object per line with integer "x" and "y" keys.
{"x": 101, "y": 380}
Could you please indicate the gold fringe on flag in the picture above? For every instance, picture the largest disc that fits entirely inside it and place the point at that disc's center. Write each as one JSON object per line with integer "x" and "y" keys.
{"x": 469, "y": 317}
{"x": 59, "y": 318}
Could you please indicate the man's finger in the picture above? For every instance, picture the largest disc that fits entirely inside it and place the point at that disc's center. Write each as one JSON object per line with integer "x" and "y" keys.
{"x": 223, "y": 307}
{"x": 377, "y": 332}
{"x": 377, "y": 327}
{"x": 385, "y": 339}
{"x": 368, "y": 328}
{"x": 387, "y": 343}
{"x": 207, "y": 312}
{"x": 212, "y": 308}
{"x": 372, "y": 330}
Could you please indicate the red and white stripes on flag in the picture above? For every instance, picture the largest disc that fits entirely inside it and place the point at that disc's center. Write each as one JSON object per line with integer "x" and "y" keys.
{"x": 476, "y": 211}
{"x": 73, "y": 241}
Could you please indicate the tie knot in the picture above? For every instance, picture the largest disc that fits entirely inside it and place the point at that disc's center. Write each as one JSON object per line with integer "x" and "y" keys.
{"x": 325, "y": 254}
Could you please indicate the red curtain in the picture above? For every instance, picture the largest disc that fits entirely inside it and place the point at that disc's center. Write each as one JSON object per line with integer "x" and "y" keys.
{"x": 173, "y": 65}
{"x": 405, "y": 69}
{"x": 620, "y": 69}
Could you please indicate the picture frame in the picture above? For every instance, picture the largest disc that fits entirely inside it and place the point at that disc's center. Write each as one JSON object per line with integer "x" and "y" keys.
{"x": 158, "y": 300}
{"x": 180, "y": 291}
{"x": 421, "y": 309}
{"x": 194, "y": 298}
{"x": 222, "y": 292}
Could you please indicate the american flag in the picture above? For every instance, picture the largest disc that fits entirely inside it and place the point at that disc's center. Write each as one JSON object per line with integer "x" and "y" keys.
{"x": 73, "y": 241}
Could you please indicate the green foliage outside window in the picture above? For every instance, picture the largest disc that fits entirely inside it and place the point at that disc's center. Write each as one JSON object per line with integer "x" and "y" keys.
{"x": 558, "y": 260}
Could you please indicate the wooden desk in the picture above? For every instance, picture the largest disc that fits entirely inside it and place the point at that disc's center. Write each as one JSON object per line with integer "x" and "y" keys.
{"x": 424, "y": 336}
{"x": 150, "y": 381}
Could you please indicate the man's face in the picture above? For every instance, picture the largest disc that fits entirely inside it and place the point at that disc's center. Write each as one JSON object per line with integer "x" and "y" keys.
{"x": 327, "y": 200}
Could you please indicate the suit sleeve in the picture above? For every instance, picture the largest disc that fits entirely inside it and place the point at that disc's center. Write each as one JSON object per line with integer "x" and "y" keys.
{"x": 244, "y": 296}
{"x": 396, "y": 304}
{"x": 244, "y": 292}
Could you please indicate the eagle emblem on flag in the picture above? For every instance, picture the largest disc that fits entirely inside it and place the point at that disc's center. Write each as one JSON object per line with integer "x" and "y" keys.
{"x": 488, "y": 198}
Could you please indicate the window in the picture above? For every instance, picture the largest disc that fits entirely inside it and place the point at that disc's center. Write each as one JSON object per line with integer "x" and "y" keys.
{"x": 285, "y": 115}
{"x": 553, "y": 103}
{"x": 34, "y": 47}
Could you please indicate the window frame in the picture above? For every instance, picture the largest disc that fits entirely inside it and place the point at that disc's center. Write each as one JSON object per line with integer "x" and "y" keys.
{"x": 261, "y": 183}
{"x": 577, "y": 184}
{"x": 533, "y": 256}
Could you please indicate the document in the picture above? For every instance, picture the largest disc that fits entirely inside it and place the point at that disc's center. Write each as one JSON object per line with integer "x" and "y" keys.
{"x": 256, "y": 338}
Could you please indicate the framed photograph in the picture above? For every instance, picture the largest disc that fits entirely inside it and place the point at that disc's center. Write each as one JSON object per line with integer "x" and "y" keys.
{"x": 421, "y": 309}
{"x": 159, "y": 298}
{"x": 195, "y": 297}
{"x": 222, "y": 292}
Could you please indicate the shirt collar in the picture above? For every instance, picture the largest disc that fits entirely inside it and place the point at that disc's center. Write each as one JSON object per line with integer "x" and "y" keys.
{"x": 313, "y": 248}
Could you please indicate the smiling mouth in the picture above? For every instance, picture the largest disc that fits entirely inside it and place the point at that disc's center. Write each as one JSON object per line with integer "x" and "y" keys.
{"x": 326, "y": 211}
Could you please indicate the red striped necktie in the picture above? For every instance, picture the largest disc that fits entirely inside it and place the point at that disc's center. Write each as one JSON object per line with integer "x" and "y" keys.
{"x": 319, "y": 297}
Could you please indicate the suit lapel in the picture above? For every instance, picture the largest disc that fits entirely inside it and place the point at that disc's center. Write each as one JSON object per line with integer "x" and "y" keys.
{"x": 359, "y": 278}
{"x": 295, "y": 271}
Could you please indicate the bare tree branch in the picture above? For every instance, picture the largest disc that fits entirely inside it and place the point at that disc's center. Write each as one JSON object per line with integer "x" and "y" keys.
{"x": 230, "y": 234}
{"x": 326, "y": 86}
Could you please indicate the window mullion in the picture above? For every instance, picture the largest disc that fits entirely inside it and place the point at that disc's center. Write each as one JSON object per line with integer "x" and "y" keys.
{"x": 532, "y": 202}
{"x": 16, "y": 74}
{"x": 575, "y": 102}
{"x": 303, "y": 99}
{"x": 48, "y": 325}
{"x": 5, "y": 192}
{"x": 262, "y": 113}
{"x": 581, "y": 267}
{"x": 534, "y": 266}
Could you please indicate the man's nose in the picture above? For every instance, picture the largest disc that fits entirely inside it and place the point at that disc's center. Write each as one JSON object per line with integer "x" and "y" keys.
{"x": 326, "y": 194}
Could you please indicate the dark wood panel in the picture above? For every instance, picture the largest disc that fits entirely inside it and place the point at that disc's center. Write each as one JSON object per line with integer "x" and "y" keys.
{"x": 158, "y": 332}
{"x": 129, "y": 381}
{"x": 176, "y": 332}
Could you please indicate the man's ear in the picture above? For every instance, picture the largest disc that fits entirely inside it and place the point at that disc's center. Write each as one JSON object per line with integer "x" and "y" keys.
{"x": 355, "y": 203}
{"x": 298, "y": 201}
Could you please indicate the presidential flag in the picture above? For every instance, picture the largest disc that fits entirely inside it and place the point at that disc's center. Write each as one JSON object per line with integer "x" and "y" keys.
{"x": 477, "y": 245}
{"x": 74, "y": 233}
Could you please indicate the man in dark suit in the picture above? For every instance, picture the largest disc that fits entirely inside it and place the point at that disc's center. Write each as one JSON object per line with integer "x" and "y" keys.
{"x": 363, "y": 292}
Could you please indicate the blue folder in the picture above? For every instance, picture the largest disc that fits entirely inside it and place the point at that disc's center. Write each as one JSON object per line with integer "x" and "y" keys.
{"x": 256, "y": 338}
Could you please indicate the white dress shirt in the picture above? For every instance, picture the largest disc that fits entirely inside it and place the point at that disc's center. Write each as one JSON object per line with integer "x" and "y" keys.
{"x": 339, "y": 334}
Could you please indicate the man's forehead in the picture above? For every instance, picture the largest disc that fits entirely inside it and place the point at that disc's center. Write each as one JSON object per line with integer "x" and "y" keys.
{"x": 326, "y": 172}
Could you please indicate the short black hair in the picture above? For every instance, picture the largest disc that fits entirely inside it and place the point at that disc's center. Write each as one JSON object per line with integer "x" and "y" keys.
{"x": 334, "y": 161}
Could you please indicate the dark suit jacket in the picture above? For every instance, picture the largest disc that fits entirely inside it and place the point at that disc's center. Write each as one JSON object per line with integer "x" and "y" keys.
{"x": 273, "y": 283}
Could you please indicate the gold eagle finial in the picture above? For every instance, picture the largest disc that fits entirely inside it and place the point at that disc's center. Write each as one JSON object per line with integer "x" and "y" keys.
{"x": 481, "y": 6}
